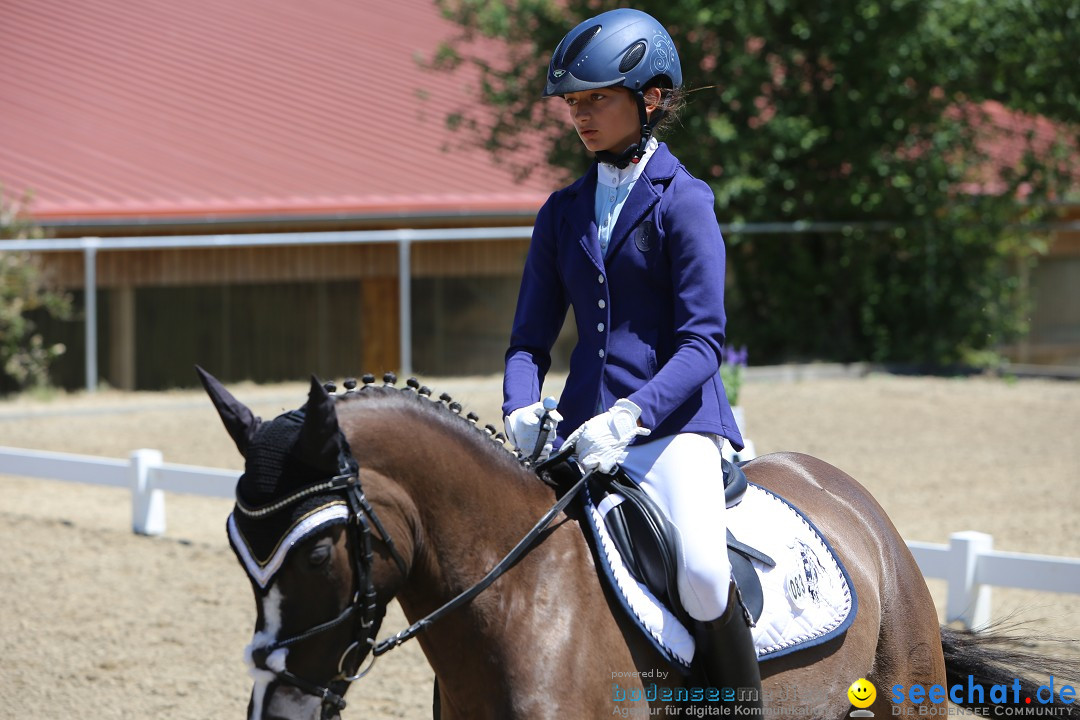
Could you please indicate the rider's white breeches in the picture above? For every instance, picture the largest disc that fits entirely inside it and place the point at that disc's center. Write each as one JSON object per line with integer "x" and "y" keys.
{"x": 683, "y": 474}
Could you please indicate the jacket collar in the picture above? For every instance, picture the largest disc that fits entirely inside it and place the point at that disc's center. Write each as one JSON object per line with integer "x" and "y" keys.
{"x": 645, "y": 194}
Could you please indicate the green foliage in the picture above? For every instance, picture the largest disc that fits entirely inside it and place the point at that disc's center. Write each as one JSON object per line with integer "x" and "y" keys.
{"x": 24, "y": 355}
{"x": 858, "y": 114}
{"x": 1015, "y": 51}
{"x": 731, "y": 373}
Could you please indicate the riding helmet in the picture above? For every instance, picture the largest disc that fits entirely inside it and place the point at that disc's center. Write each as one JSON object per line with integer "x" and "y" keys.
{"x": 620, "y": 47}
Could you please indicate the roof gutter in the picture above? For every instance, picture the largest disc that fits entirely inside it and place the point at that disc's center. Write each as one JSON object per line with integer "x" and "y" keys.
{"x": 108, "y": 226}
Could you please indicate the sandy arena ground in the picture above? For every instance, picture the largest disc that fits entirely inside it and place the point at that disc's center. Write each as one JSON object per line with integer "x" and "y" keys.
{"x": 97, "y": 622}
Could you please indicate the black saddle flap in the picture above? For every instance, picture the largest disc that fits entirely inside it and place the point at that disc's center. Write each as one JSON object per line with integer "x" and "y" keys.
{"x": 647, "y": 541}
{"x": 650, "y": 545}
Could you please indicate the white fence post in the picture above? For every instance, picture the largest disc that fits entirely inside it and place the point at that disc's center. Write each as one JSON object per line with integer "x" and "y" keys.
{"x": 148, "y": 502}
{"x": 967, "y": 600}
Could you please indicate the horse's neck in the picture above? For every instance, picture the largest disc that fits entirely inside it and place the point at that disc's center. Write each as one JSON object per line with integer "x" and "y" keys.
{"x": 471, "y": 508}
{"x": 518, "y": 642}
{"x": 469, "y": 503}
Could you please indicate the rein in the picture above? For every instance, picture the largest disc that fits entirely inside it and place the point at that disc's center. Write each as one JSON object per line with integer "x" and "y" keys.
{"x": 505, "y": 564}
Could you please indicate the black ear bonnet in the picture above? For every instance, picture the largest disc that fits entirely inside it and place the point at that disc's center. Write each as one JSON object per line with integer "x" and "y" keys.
{"x": 280, "y": 465}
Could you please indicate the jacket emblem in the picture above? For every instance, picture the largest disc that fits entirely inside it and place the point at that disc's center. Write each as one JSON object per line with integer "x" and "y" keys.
{"x": 645, "y": 235}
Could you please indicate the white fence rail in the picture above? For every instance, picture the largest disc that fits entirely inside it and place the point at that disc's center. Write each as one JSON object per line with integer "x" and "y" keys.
{"x": 968, "y": 563}
{"x": 144, "y": 473}
{"x": 971, "y": 566}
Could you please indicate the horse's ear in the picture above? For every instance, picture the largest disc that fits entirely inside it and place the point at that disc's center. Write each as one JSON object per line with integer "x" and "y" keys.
{"x": 238, "y": 419}
{"x": 320, "y": 442}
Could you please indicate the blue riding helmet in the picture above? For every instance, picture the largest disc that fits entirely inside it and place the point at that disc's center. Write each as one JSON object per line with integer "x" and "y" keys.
{"x": 619, "y": 47}
{"x": 626, "y": 48}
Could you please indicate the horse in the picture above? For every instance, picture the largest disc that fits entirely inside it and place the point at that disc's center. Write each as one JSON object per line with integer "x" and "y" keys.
{"x": 382, "y": 492}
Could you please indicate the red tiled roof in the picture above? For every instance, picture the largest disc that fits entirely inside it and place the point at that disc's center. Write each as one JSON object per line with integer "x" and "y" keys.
{"x": 247, "y": 107}
{"x": 1007, "y": 136}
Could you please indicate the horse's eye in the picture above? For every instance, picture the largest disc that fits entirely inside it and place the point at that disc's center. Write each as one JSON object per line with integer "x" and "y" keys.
{"x": 320, "y": 555}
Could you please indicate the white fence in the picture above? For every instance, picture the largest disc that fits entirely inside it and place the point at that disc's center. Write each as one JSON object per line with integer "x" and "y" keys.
{"x": 144, "y": 473}
{"x": 971, "y": 566}
{"x": 968, "y": 563}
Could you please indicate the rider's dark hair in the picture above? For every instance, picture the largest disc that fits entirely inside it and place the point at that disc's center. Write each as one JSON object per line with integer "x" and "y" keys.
{"x": 672, "y": 103}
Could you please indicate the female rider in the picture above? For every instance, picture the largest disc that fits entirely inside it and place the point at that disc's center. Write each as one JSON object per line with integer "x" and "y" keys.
{"x": 634, "y": 247}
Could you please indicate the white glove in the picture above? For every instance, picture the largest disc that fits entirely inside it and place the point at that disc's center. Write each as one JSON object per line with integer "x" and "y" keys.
{"x": 601, "y": 442}
{"x": 523, "y": 428}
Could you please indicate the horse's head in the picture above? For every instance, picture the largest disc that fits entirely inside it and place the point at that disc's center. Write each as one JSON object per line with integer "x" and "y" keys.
{"x": 302, "y": 529}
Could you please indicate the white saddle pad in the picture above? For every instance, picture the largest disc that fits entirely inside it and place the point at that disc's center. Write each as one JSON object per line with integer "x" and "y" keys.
{"x": 808, "y": 596}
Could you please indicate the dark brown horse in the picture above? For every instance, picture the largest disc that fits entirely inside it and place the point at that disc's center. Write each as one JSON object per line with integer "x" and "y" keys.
{"x": 430, "y": 504}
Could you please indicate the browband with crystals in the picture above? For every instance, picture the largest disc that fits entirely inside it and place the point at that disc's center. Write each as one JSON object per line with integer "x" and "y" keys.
{"x": 262, "y": 573}
{"x": 334, "y": 483}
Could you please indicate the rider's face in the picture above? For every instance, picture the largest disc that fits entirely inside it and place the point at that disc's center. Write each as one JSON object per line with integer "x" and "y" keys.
{"x": 606, "y": 119}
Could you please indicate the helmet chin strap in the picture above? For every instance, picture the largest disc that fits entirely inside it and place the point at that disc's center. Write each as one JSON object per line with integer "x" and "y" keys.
{"x": 635, "y": 152}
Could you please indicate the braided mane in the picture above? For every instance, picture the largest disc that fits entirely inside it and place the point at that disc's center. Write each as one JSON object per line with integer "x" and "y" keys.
{"x": 444, "y": 411}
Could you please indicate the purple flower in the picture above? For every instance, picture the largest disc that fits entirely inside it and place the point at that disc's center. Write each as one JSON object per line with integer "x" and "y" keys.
{"x": 735, "y": 356}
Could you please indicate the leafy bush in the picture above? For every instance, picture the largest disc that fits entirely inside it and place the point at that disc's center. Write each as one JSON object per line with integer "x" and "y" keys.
{"x": 24, "y": 354}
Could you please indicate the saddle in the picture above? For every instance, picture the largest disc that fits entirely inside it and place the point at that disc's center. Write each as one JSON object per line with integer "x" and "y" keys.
{"x": 647, "y": 541}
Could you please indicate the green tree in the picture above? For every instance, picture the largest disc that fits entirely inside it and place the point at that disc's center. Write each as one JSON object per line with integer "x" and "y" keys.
{"x": 24, "y": 355}
{"x": 859, "y": 118}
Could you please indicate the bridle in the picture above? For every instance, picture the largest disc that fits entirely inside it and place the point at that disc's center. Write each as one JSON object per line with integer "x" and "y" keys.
{"x": 363, "y": 611}
{"x": 361, "y": 520}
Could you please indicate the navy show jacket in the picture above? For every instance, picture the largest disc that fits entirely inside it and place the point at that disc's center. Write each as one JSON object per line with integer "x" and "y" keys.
{"x": 650, "y": 316}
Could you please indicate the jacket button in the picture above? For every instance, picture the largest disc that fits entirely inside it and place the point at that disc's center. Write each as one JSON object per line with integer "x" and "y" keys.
{"x": 601, "y": 304}
{"x": 600, "y": 279}
{"x": 600, "y": 327}
{"x": 601, "y": 352}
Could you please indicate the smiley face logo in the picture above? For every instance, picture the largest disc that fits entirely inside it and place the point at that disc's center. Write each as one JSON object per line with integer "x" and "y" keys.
{"x": 862, "y": 693}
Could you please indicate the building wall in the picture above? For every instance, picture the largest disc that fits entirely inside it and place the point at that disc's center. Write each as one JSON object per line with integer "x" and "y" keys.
{"x": 271, "y": 314}
{"x": 1054, "y": 337}
{"x": 189, "y": 267}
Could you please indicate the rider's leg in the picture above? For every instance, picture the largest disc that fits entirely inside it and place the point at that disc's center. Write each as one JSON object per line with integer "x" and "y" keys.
{"x": 683, "y": 474}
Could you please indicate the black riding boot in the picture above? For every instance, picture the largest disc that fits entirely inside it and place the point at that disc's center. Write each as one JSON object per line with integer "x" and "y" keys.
{"x": 726, "y": 657}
